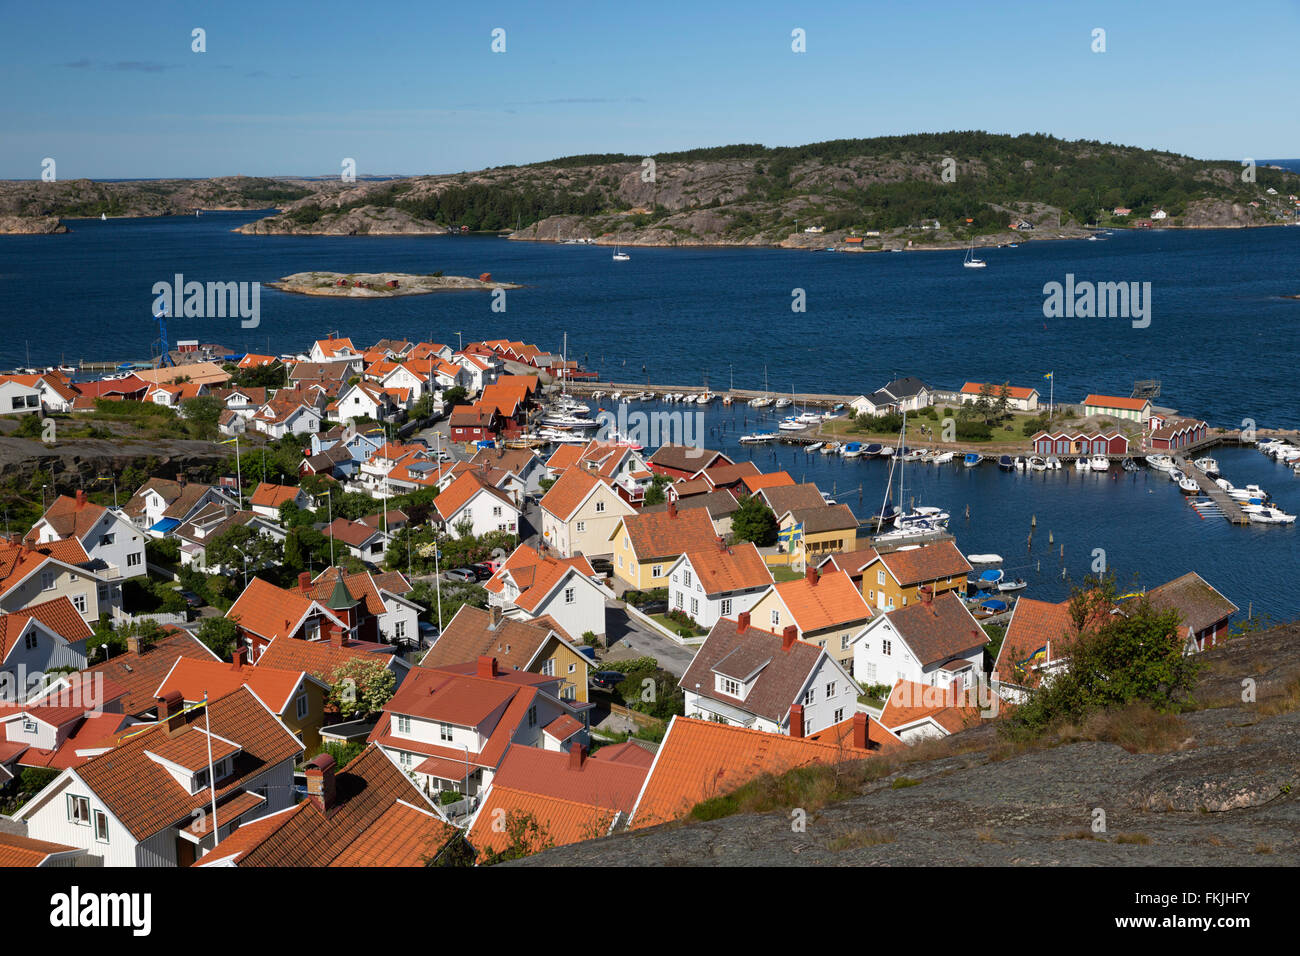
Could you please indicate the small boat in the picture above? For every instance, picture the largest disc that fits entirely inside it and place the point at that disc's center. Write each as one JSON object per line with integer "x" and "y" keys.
{"x": 1128, "y": 464}
{"x": 757, "y": 438}
{"x": 852, "y": 450}
{"x": 972, "y": 459}
{"x": 1099, "y": 463}
{"x": 942, "y": 458}
{"x": 783, "y": 403}
{"x": 1037, "y": 464}
{"x": 1019, "y": 584}
{"x": 887, "y": 451}
{"x": 1270, "y": 516}
{"x": 1006, "y": 462}
{"x": 791, "y": 425}
{"x": 1080, "y": 464}
{"x": 727, "y": 399}
{"x": 1160, "y": 462}
{"x": 760, "y": 402}
{"x": 990, "y": 608}
{"x": 973, "y": 262}
{"x": 1207, "y": 465}
{"x": 1021, "y": 463}
{"x": 620, "y": 255}
{"x": 989, "y": 578}
{"x": 814, "y": 446}
{"x": 1189, "y": 486}
{"x": 103, "y": 217}
{"x": 984, "y": 558}
{"x": 914, "y": 454}
{"x": 1053, "y": 463}
{"x": 872, "y": 450}
{"x": 830, "y": 448}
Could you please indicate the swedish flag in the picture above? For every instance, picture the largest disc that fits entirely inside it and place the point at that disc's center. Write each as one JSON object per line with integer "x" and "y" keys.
{"x": 792, "y": 533}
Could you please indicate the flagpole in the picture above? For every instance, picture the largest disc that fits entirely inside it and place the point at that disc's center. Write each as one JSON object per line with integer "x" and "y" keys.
{"x": 212, "y": 778}
{"x": 239, "y": 479}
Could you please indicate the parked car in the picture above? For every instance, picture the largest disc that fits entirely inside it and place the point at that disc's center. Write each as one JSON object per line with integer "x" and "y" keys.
{"x": 465, "y": 575}
{"x": 428, "y": 634}
{"x": 192, "y": 599}
{"x": 607, "y": 680}
{"x": 654, "y": 607}
{"x": 483, "y": 570}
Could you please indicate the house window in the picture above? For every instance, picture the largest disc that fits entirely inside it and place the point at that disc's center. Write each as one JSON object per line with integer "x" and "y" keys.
{"x": 600, "y": 507}
{"x": 29, "y": 726}
{"x": 572, "y": 668}
{"x": 496, "y": 511}
{"x": 844, "y": 641}
{"x": 101, "y": 826}
{"x": 871, "y": 673}
{"x": 582, "y": 526}
{"x": 79, "y": 810}
{"x": 30, "y": 641}
{"x": 133, "y": 559}
{"x": 776, "y": 618}
{"x": 570, "y": 595}
{"x": 839, "y": 715}
{"x": 729, "y": 686}
{"x": 399, "y": 630}
{"x": 444, "y": 731}
{"x": 657, "y": 571}
{"x": 47, "y": 580}
{"x": 405, "y": 759}
{"x": 403, "y": 724}
{"x": 532, "y": 716}
{"x": 811, "y": 696}
{"x": 725, "y": 608}
{"x": 548, "y": 667}
{"x": 904, "y": 600}
{"x": 886, "y": 647}
{"x": 873, "y": 594}
{"x": 880, "y": 577}
{"x": 302, "y": 706}
{"x": 79, "y": 602}
{"x": 695, "y": 607}
{"x": 830, "y": 691}
{"x": 686, "y": 578}
{"x": 677, "y": 599}
{"x": 108, "y": 539}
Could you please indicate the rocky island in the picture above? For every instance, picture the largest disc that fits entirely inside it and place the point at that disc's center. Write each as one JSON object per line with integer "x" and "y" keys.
{"x": 374, "y": 285}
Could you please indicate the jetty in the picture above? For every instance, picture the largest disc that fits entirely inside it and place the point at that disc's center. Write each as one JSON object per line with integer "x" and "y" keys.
{"x": 737, "y": 394}
{"x": 1226, "y": 504}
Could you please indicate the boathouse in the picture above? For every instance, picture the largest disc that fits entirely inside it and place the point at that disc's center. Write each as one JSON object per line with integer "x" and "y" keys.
{"x": 1115, "y": 406}
{"x": 1080, "y": 443}
{"x": 1178, "y": 433}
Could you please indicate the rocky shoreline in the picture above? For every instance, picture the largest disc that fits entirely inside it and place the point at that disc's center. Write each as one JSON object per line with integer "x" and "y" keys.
{"x": 31, "y": 226}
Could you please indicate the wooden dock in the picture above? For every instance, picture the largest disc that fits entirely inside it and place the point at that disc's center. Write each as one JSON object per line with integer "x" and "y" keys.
{"x": 1226, "y": 504}
{"x": 741, "y": 395}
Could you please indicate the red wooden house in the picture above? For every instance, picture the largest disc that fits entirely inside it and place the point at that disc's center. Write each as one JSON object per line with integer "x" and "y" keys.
{"x": 1080, "y": 443}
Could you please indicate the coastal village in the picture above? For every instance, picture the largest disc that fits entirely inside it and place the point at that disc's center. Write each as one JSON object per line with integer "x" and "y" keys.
{"x": 455, "y": 619}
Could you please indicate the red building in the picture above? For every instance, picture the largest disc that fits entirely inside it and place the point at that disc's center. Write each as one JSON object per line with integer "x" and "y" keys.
{"x": 474, "y": 423}
{"x": 1178, "y": 433}
{"x": 1080, "y": 443}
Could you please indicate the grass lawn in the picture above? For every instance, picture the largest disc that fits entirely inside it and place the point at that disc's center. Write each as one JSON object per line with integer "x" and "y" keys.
{"x": 673, "y": 626}
{"x": 783, "y": 573}
{"x": 842, "y": 430}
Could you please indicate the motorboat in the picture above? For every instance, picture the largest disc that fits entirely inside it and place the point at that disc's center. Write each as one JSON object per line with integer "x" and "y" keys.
{"x": 1006, "y": 462}
{"x": 783, "y": 403}
{"x": 942, "y": 458}
{"x": 989, "y": 578}
{"x": 1207, "y": 465}
{"x": 887, "y": 451}
{"x": 914, "y": 454}
{"x": 935, "y": 518}
{"x": 871, "y": 450}
{"x": 1160, "y": 462}
{"x": 1128, "y": 464}
{"x": 1099, "y": 463}
{"x": 791, "y": 425}
{"x": 984, "y": 558}
{"x": 814, "y": 446}
{"x": 760, "y": 402}
{"x": 1020, "y": 463}
{"x": 972, "y": 459}
{"x": 1019, "y": 584}
{"x": 989, "y": 609}
{"x": 830, "y": 448}
{"x": 568, "y": 422}
{"x": 1037, "y": 464}
{"x": 1053, "y": 463}
{"x": 1080, "y": 464}
{"x": 852, "y": 450}
{"x": 1189, "y": 486}
{"x": 1271, "y": 516}
{"x": 757, "y": 438}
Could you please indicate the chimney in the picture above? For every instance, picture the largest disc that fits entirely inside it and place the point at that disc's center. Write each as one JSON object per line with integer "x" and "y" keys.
{"x": 722, "y": 543}
{"x": 742, "y": 621}
{"x": 672, "y": 507}
{"x": 577, "y": 756}
{"x": 495, "y": 613}
{"x": 304, "y": 581}
{"x": 239, "y": 658}
{"x": 133, "y": 644}
{"x": 487, "y": 667}
{"x": 169, "y": 711}
{"x": 861, "y": 738}
{"x": 180, "y": 479}
{"x": 927, "y": 593}
{"x": 811, "y": 576}
{"x": 789, "y": 636}
{"x": 15, "y": 538}
{"x": 320, "y": 782}
{"x": 336, "y": 635}
{"x": 81, "y": 498}
{"x": 796, "y": 720}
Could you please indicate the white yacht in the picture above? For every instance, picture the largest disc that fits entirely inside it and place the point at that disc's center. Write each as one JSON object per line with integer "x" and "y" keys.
{"x": 1099, "y": 463}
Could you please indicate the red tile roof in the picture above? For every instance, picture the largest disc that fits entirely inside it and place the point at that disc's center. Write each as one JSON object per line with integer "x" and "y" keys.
{"x": 910, "y": 702}
{"x": 939, "y": 559}
{"x": 939, "y": 629}
{"x": 18, "y": 850}
{"x": 735, "y": 568}
{"x": 663, "y": 534}
{"x": 196, "y": 678}
{"x": 1036, "y": 626}
{"x": 1114, "y": 401}
{"x": 833, "y": 601}
{"x": 1013, "y": 391}
{"x": 570, "y": 490}
{"x": 139, "y": 674}
{"x": 58, "y": 615}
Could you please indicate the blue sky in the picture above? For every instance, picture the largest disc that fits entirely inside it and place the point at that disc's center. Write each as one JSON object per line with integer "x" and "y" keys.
{"x": 413, "y": 87}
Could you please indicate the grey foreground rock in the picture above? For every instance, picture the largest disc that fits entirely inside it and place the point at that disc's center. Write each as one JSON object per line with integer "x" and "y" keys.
{"x": 1227, "y": 795}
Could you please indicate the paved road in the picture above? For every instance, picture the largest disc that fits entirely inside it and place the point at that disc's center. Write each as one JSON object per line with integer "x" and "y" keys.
{"x": 629, "y": 638}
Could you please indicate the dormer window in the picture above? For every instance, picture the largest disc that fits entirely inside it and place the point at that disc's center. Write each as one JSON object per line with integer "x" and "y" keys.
{"x": 729, "y": 686}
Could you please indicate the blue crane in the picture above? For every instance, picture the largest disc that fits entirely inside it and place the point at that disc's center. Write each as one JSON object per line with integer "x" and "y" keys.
{"x": 166, "y": 358}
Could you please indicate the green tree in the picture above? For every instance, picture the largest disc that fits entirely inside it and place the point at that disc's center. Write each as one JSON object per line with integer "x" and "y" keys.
{"x": 219, "y": 634}
{"x": 230, "y": 548}
{"x": 525, "y": 835}
{"x": 754, "y": 521}
{"x": 456, "y": 395}
{"x": 361, "y": 687}
{"x": 654, "y": 495}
